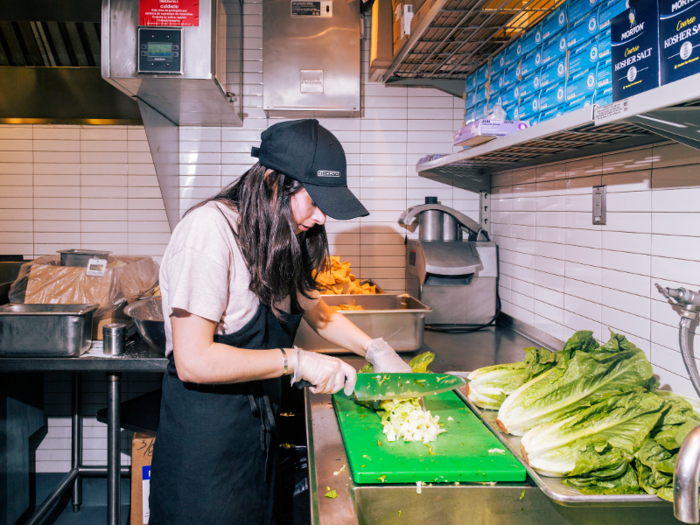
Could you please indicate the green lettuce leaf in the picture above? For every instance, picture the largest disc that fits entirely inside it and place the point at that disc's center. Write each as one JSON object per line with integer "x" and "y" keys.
{"x": 625, "y": 484}
{"x": 581, "y": 341}
{"x": 677, "y": 422}
{"x": 649, "y": 457}
{"x": 421, "y": 362}
{"x": 590, "y": 375}
{"x": 538, "y": 361}
{"x": 598, "y": 441}
{"x": 666, "y": 493}
{"x": 490, "y": 385}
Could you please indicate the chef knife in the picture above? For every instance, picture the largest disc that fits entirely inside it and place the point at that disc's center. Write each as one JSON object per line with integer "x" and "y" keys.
{"x": 378, "y": 386}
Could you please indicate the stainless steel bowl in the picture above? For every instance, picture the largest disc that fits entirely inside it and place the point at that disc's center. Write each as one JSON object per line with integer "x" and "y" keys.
{"x": 148, "y": 318}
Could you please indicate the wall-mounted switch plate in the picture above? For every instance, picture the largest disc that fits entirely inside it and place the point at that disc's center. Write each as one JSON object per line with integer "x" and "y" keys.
{"x": 599, "y": 205}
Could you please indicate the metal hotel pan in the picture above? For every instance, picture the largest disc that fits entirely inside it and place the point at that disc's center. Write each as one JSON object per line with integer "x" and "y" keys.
{"x": 399, "y": 319}
{"x": 79, "y": 258}
{"x": 45, "y": 330}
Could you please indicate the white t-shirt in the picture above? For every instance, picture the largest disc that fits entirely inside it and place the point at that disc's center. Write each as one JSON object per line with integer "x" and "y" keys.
{"x": 204, "y": 273}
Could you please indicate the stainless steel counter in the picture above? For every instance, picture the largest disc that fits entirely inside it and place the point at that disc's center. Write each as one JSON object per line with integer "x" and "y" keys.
{"x": 138, "y": 357}
{"x": 521, "y": 503}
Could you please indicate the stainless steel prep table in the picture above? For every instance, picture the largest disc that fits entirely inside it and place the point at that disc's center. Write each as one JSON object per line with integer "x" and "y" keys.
{"x": 520, "y": 503}
{"x": 138, "y": 357}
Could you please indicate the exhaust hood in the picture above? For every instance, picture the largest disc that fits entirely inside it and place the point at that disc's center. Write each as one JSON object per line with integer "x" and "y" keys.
{"x": 180, "y": 71}
{"x": 171, "y": 58}
{"x": 311, "y": 58}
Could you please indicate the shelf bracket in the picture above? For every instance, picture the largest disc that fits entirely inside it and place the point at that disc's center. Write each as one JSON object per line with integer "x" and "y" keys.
{"x": 681, "y": 124}
{"x": 485, "y": 211}
{"x": 451, "y": 87}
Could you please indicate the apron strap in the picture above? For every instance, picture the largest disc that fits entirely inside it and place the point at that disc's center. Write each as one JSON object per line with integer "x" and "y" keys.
{"x": 261, "y": 407}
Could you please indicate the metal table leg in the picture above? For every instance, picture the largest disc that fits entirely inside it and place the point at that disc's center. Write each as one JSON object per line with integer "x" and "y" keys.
{"x": 76, "y": 443}
{"x": 113, "y": 450}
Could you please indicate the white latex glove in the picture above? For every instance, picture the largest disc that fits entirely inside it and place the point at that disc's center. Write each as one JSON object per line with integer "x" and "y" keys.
{"x": 384, "y": 358}
{"x": 327, "y": 374}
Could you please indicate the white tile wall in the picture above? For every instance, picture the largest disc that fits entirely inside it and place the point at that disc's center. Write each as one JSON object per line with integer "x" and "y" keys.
{"x": 95, "y": 187}
{"x": 599, "y": 277}
{"x": 79, "y": 187}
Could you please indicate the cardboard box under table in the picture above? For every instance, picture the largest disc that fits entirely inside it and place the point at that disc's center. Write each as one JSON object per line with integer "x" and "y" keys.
{"x": 141, "y": 456}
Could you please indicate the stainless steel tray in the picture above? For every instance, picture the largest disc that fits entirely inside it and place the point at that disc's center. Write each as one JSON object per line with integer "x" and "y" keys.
{"x": 399, "y": 319}
{"x": 45, "y": 330}
{"x": 80, "y": 258}
{"x": 553, "y": 488}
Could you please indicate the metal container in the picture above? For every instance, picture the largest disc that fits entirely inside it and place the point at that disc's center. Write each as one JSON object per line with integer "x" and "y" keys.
{"x": 399, "y": 319}
{"x": 80, "y": 258}
{"x": 148, "y": 318}
{"x": 45, "y": 330}
{"x": 113, "y": 339}
{"x": 311, "y": 58}
{"x": 8, "y": 273}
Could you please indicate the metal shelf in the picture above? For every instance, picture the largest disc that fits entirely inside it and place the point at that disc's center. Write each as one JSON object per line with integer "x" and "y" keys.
{"x": 683, "y": 93}
{"x": 458, "y": 36}
{"x": 568, "y": 136}
{"x": 670, "y": 111}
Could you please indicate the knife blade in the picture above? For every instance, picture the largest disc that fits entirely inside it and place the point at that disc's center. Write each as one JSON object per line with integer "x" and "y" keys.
{"x": 378, "y": 386}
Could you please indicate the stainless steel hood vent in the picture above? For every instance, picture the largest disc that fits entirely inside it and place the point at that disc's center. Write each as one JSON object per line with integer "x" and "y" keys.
{"x": 176, "y": 73}
{"x": 49, "y": 44}
{"x": 311, "y": 58}
{"x": 194, "y": 94}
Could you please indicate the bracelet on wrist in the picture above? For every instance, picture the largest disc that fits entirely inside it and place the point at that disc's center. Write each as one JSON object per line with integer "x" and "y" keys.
{"x": 286, "y": 362}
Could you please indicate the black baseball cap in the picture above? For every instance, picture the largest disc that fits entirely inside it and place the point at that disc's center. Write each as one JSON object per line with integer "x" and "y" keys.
{"x": 306, "y": 151}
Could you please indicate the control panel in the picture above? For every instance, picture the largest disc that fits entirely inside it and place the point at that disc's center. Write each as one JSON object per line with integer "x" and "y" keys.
{"x": 160, "y": 50}
{"x": 599, "y": 204}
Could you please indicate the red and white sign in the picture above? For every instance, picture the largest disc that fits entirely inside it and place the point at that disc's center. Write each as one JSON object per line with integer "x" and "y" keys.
{"x": 173, "y": 13}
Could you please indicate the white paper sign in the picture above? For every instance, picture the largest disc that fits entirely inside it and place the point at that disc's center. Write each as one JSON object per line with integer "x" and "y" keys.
{"x": 97, "y": 267}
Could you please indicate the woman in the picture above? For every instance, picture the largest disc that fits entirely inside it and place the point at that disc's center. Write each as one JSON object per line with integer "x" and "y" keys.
{"x": 237, "y": 278}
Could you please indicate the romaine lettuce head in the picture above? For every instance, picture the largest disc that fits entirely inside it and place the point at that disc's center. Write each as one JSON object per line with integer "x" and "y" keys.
{"x": 598, "y": 441}
{"x": 589, "y": 375}
{"x": 490, "y": 385}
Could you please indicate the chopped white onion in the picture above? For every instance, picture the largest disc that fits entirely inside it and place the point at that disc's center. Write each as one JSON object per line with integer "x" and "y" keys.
{"x": 406, "y": 419}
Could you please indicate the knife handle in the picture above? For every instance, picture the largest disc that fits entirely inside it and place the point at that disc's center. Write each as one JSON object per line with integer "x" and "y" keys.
{"x": 302, "y": 384}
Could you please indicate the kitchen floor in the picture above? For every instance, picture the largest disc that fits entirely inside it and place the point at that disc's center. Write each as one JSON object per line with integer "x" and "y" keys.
{"x": 88, "y": 515}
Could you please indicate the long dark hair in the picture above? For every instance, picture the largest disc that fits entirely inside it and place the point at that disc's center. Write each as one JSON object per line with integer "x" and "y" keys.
{"x": 281, "y": 263}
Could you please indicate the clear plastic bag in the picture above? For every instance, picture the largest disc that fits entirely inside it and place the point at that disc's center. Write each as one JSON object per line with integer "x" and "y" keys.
{"x": 45, "y": 281}
{"x": 497, "y": 113}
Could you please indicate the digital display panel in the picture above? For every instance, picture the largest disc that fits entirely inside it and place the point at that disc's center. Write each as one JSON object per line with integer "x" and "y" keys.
{"x": 157, "y": 49}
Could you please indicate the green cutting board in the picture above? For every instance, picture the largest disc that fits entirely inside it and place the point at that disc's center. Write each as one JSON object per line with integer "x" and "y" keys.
{"x": 460, "y": 454}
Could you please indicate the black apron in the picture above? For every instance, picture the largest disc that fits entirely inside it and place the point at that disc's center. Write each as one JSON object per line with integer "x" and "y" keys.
{"x": 215, "y": 456}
